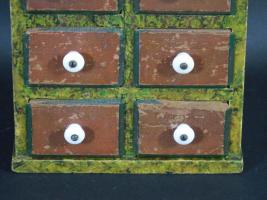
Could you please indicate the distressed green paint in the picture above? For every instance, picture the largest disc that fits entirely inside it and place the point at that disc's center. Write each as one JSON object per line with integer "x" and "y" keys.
{"x": 181, "y": 166}
{"x": 129, "y": 21}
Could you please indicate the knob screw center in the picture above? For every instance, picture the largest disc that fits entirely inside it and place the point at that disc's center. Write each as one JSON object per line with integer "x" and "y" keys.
{"x": 74, "y": 137}
{"x": 184, "y": 137}
{"x": 184, "y": 66}
{"x": 73, "y": 64}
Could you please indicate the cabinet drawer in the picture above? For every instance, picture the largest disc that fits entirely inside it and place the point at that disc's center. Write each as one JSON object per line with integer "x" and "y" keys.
{"x": 182, "y": 57}
{"x": 185, "y": 6}
{"x": 75, "y": 57}
{"x": 75, "y": 127}
{"x": 181, "y": 128}
{"x": 72, "y": 5}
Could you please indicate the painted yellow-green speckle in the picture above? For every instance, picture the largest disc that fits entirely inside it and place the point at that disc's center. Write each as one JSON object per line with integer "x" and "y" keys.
{"x": 129, "y": 21}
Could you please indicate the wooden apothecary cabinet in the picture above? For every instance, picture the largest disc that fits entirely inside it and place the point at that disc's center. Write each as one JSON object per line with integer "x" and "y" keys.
{"x": 128, "y": 86}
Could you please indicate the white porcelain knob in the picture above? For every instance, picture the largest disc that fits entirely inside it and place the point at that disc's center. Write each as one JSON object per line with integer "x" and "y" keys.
{"x": 73, "y": 62}
{"x": 74, "y": 134}
{"x": 183, "y": 63}
{"x": 184, "y": 134}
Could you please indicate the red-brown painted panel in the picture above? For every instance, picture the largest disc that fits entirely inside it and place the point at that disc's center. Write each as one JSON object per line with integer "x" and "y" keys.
{"x": 209, "y": 49}
{"x": 101, "y": 51}
{"x": 72, "y": 5}
{"x": 216, "y": 6}
{"x": 158, "y": 121}
{"x": 99, "y": 122}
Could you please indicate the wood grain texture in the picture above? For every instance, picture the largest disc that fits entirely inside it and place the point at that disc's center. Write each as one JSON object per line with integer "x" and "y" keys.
{"x": 157, "y": 123}
{"x": 101, "y": 51}
{"x": 72, "y": 5}
{"x": 100, "y": 123}
{"x": 209, "y": 49}
{"x": 216, "y": 6}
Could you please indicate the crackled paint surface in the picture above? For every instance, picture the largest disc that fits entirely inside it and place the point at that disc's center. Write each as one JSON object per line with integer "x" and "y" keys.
{"x": 185, "y": 5}
{"x": 209, "y": 50}
{"x": 50, "y": 120}
{"x": 101, "y": 51}
{"x": 84, "y": 5}
{"x": 129, "y": 21}
{"x": 158, "y": 121}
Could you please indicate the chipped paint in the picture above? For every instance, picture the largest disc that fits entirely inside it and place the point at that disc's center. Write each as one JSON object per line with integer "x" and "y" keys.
{"x": 72, "y": 5}
{"x": 129, "y": 21}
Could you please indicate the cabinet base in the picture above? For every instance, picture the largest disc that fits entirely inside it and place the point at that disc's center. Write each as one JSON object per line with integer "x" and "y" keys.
{"x": 172, "y": 166}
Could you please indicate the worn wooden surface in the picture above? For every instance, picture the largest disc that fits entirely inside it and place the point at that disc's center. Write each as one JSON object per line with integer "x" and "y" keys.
{"x": 72, "y": 5}
{"x": 209, "y": 49}
{"x": 101, "y": 51}
{"x": 185, "y": 5}
{"x": 100, "y": 123}
{"x": 157, "y": 123}
{"x": 129, "y": 21}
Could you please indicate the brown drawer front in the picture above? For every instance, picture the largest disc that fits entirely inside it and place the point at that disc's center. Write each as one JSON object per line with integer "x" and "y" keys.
{"x": 156, "y": 51}
{"x": 99, "y": 121}
{"x": 72, "y": 5}
{"x": 158, "y": 121}
{"x": 191, "y": 6}
{"x": 100, "y": 49}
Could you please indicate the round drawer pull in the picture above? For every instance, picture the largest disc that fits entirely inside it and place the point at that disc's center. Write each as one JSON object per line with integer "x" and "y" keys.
{"x": 183, "y": 63}
{"x": 184, "y": 134}
{"x": 73, "y": 62}
{"x": 74, "y": 134}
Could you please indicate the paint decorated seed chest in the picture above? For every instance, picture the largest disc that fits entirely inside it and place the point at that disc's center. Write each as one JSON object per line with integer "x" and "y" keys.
{"x": 128, "y": 86}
